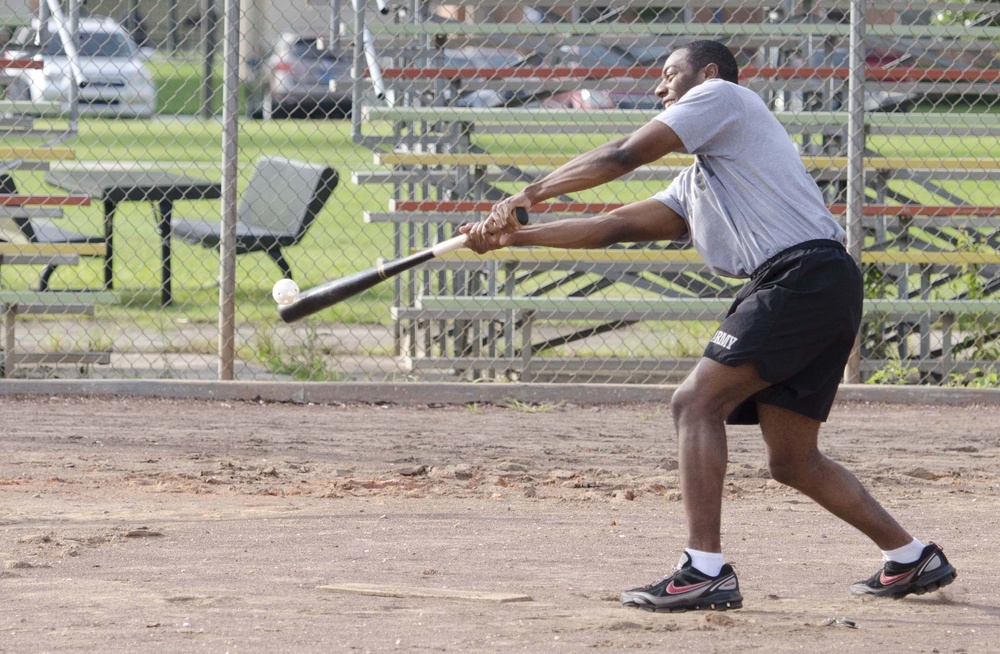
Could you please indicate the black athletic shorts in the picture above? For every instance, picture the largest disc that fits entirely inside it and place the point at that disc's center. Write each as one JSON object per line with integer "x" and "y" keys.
{"x": 796, "y": 320}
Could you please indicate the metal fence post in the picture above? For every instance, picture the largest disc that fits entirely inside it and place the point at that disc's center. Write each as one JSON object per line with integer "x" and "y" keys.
{"x": 209, "y": 21}
{"x": 230, "y": 153}
{"x": 357, "y": 70}
{"x": 856, "y": 157}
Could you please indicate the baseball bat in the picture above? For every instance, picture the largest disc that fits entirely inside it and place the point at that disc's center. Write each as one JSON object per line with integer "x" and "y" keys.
{"x": 326, "y": 295}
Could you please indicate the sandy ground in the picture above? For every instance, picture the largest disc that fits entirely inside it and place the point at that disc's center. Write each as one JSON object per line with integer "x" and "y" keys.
{"x": 177, "y": 526}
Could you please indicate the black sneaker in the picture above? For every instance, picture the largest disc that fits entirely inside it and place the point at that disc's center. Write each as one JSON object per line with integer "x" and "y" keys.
{"x": 688, "y": 589}
{"x": 928, "y": 573}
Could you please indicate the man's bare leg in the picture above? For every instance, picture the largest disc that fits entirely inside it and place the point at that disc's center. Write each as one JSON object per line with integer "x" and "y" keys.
{"x": 700, "y": 407}
{"x": 794, "y": 459}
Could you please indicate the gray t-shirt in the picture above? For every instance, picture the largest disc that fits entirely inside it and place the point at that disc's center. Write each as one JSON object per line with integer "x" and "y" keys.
{"x": 748, "y": 195}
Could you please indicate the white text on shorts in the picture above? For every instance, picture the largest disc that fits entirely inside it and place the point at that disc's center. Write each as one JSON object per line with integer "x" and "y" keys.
{"x": 722, "y": 339}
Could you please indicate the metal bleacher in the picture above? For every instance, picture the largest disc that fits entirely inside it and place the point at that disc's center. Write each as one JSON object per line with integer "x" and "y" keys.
{"x": 931, "y": 237}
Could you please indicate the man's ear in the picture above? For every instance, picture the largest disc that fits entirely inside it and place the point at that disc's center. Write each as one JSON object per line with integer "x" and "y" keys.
{"x": 711, "y": 71}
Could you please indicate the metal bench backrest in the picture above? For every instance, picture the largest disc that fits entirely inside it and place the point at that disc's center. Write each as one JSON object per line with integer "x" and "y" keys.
{"x": 14, "y": 228}
{"x": 284, "y": 196}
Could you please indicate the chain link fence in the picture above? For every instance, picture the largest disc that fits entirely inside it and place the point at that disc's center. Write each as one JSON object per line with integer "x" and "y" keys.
{"x": 342, "y": 133}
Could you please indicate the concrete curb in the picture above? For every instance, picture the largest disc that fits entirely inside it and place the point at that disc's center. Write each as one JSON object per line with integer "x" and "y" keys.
{"x": 449, "y": 393}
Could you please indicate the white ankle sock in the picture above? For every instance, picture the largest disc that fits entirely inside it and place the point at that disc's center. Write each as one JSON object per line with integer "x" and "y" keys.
{"x": 709, "y": 563}
{"x": 905, "y": 554}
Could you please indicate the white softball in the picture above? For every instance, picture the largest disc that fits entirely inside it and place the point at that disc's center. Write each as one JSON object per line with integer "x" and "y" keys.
{"x": 285, "y": 291}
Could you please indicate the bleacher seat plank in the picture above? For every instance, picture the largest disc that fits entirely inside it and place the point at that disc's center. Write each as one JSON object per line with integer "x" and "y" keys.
{"x": 49, "y": 308}
{"x": 899, "y": 5}
{"x": 874, "y": 74}
{"x": 631, "y": 368}
{"x": 810, "y": 161}
{"x": 540, "y": 73}
{"x": 640, "y": 117}
{"x": 75, "y": 358}
{"x": 467, "y": 206}
{"x": 913, "y": 210}
{"x": 56, "y": 298}
{"x": 19, "y": 200}
{"x": 35, "y": 152}
{"x": 562, "y": 73}
{"x": 31, "y": 107}
{"x": 531, "y": 255}
{"x": 930, "y": 257}
{"x": 555, "y": 255}
{"x": 623, "y": 121}
{"x": 577, "y": 308}
{"x": 417, "y": 177}
{"x": 689, "y": 29}
{"x": 39, "y": 259}
{"x": 45, "y": 249}
{"x": 29, "y": 212}
{"x": 21, "y": 63}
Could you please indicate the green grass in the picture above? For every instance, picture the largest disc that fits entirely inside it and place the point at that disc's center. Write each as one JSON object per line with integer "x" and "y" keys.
{"x": 179, "y": 84}
{"x": 178, "y": 80}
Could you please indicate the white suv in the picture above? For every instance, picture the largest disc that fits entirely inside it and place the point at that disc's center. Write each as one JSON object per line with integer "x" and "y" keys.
{"x": 116, "y": 81}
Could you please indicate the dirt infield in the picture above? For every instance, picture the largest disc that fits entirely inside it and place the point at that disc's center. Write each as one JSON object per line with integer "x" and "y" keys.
{"x": 183, "y": 526}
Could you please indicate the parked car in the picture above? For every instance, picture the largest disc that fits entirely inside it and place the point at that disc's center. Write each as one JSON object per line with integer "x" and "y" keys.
{"x": 833, "y": 96}
{"x": 296, "y": 79}
{"x": 471, "y": 94}
{"x": 115, "y": 80}
{"x": 623, "y": 93}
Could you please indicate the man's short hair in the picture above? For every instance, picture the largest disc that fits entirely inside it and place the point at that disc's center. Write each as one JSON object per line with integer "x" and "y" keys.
{"x": 703, "y": 53}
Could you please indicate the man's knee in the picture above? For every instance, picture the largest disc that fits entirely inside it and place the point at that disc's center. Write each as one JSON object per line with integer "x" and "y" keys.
{"x": 684, "y": 401}
{"x": 713, "y": 390}
{"x": 690, "y": 401}
{"x": 793, "y": 470}
{"x": 784, "y": 472}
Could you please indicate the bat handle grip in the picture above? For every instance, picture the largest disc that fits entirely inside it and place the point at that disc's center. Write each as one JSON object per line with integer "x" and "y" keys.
{"x": 458, "y": 242}
{"x": 450, "y": 245}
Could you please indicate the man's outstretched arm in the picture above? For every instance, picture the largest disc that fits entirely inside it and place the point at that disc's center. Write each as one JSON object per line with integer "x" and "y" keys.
{"x": 606, "y": 162}
{"x": 638, "y": 222}
{"x": 603, "y": 164}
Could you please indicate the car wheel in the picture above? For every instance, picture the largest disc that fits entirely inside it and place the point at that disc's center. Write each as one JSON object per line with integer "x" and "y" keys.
{"x": 272, "y": 109}
{"x": 343, "y": 110}
{"x": 332, "y": 110}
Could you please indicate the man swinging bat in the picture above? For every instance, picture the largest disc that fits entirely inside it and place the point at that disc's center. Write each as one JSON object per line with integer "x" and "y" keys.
{"x": 752, "y": 211}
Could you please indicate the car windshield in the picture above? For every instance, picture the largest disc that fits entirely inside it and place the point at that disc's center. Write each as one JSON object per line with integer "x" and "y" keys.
{"x": 92, "y": 44}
